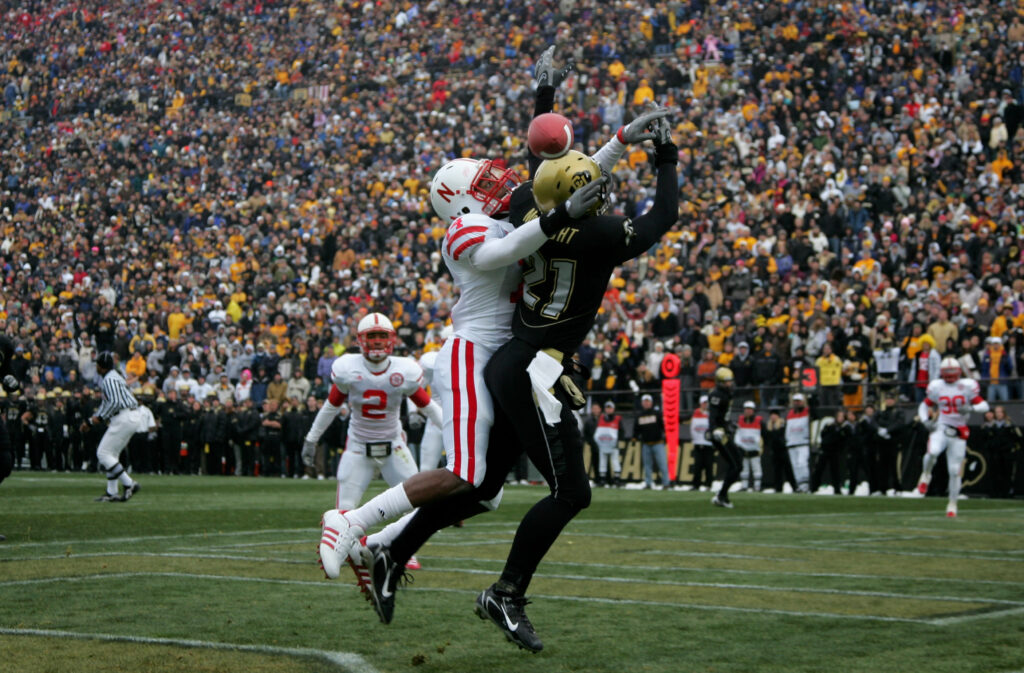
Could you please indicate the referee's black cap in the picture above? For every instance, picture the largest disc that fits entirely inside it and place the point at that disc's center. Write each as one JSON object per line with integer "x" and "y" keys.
{"x": 105, "y": 360}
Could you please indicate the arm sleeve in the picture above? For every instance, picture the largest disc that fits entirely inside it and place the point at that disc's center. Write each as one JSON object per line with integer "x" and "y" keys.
{"x": 981, "y": 406}
{"x": 543, "y": 101}
{"x": 609, "y": 154}
{"x": 653, "y": 224}
{"x": 323, "y": 420}
{"x": 496, "y": 253}
{"x": 922, "y": 410}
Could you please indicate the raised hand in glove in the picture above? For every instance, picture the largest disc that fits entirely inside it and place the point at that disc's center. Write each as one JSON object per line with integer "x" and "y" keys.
{"x": 547, "y": 73}
{"x": 308, "y": 452}
{"x": 641, "y": 128}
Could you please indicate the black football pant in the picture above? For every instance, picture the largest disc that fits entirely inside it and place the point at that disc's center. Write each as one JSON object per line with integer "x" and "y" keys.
{"x": 557, "y": 452}
{"x": 733, "y": 458}
{"x": 6, "y": 452}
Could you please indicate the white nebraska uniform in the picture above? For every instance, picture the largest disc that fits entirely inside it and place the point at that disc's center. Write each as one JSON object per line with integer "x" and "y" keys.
{"x": 481, "y": 322}
{"x": 951, "y": 432}
{"x": 375, "y": 437}
{"x": 432, "y": 445}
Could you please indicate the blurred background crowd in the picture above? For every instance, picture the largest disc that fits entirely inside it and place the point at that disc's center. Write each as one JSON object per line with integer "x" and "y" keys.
{"x": 218, "y": 191}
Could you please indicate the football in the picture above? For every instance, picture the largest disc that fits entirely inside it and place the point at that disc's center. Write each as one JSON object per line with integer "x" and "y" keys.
{"x": 550, "y": 135}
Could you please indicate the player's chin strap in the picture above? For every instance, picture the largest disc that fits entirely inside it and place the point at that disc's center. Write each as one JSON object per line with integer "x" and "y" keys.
{"x": 544, "y": 371}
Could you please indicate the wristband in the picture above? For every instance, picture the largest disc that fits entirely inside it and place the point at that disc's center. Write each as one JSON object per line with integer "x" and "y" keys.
{"x": 554, "y": 220}
{"x": 666, "y": 154}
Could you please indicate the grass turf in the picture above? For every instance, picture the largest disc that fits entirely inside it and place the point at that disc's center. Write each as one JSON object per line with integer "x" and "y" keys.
{"x": 219, "y": 574}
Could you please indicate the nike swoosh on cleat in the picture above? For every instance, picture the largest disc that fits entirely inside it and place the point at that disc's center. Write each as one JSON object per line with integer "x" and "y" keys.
{"x": 384, "y": 589}
{"x": 512, "y": 626}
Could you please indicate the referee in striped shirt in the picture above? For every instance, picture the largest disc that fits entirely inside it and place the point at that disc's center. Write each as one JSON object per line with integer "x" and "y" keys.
{"x": 126, "y": 417}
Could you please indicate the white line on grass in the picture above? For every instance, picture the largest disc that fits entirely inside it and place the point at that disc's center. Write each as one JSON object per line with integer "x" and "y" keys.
{"x": 575, "y": 578}
{"x": 735, "y": 571}
{"x": 690, "y": 606}
{"x": 611, "y": 566}
{"x": 717, "y": 520}
{"x": 151, "y": 538}
{"x": 960, "y": 619}
{"x": 580, "y": 599}
{"x": 348, "y": 661}
{"x": 770, "y": 545}
{"x": 750, "y": 587}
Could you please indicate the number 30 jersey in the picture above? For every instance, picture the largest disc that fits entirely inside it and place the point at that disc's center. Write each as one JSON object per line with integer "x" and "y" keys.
{"x": 375, "y": 399}
{"x": 951, "y": 398}
{"x": 487, "y": 297}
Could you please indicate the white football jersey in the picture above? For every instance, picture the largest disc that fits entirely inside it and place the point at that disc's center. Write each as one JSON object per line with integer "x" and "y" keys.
{"x": 487, "y": 299}
{"x": 950, "y": 398}
{"x": 375, "y": 399}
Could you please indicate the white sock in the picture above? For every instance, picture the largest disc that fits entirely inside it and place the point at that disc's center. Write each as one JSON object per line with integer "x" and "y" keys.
{"x": 126, "y": 479}
{"x": 385, "y": 536}
{"x": 929, "y": 463}
{"x": 112, "y": 487}
{"x": 386, "y": 506}
{"x": 954, "y": 488}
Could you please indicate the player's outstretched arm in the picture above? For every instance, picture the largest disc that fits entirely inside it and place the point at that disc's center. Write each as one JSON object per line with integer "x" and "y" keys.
{"x": 324, "y": 417}
{"x": 632, "y": 133}
{"x": 653, "y": 224}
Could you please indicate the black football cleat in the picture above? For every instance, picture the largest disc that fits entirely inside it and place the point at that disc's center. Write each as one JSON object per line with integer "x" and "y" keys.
{"x": 509, "y": 614}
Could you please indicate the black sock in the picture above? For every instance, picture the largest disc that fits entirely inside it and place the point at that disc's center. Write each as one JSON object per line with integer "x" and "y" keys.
{"x": 430, "y": 519}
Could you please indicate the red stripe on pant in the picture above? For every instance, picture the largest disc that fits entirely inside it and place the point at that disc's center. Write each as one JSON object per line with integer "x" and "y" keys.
{"x": 462, "y": 366}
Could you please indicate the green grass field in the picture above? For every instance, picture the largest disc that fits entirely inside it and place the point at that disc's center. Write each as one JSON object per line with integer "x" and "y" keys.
{"x": 219, "y": 574}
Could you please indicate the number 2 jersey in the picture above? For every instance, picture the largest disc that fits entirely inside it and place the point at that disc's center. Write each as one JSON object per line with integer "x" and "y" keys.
{"x": 375, "y": 399}
{"x": 950, "y": 398}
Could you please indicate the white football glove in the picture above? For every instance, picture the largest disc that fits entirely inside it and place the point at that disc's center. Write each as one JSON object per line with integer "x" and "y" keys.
{"x": 308, "y": 452}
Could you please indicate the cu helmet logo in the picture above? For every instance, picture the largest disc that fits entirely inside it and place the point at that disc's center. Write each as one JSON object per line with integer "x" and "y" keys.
{"x": 397, "y": 379}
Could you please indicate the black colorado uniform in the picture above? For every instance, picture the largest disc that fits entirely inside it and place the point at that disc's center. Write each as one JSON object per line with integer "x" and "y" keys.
{"x": 719, "y": 403}
{"x": 564, "y": 285}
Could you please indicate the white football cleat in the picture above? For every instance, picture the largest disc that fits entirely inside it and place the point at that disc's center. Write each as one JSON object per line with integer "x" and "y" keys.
{"x": 337, "y": 540}
{"x": 413, "y": 563}
{"x": 922, "y": 484}
{"x": 951, "y": 510}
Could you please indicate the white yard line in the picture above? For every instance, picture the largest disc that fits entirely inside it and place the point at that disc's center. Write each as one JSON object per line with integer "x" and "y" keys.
{"x": 960, "y": 619}
{"x": 347, "y": 661}
{"x": 748, "y": 587}
{"x": 733, "y": 571}
{"x": 578, "y": 599}
{"x": 198, "y": 553}
{"x": 575, "y": 578}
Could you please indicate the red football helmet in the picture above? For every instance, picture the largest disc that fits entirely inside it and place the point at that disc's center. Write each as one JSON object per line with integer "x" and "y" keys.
{"x": 466, "y": 186}
{"x": 376, "y": 337}
{"x": 949, "y": 370}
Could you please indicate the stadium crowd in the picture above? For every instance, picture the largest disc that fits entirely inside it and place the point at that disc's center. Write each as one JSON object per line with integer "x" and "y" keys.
{"x": 217, "y": 192}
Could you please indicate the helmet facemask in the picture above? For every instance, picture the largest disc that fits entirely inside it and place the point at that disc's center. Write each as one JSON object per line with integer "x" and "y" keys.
{"x": 377, "y": 344}
{"x": 493, "y": 187}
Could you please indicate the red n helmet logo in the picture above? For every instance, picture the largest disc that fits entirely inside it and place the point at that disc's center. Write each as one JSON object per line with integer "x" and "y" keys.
{"x": 445, "y": 192}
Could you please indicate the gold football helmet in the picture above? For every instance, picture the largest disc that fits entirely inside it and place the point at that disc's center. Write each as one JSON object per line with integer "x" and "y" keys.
{"x": 557, "y": 179}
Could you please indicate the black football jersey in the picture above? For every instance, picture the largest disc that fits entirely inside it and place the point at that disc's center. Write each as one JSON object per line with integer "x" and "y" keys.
{"x": 565, "y": 280}
{"x": 719, "y": 402}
